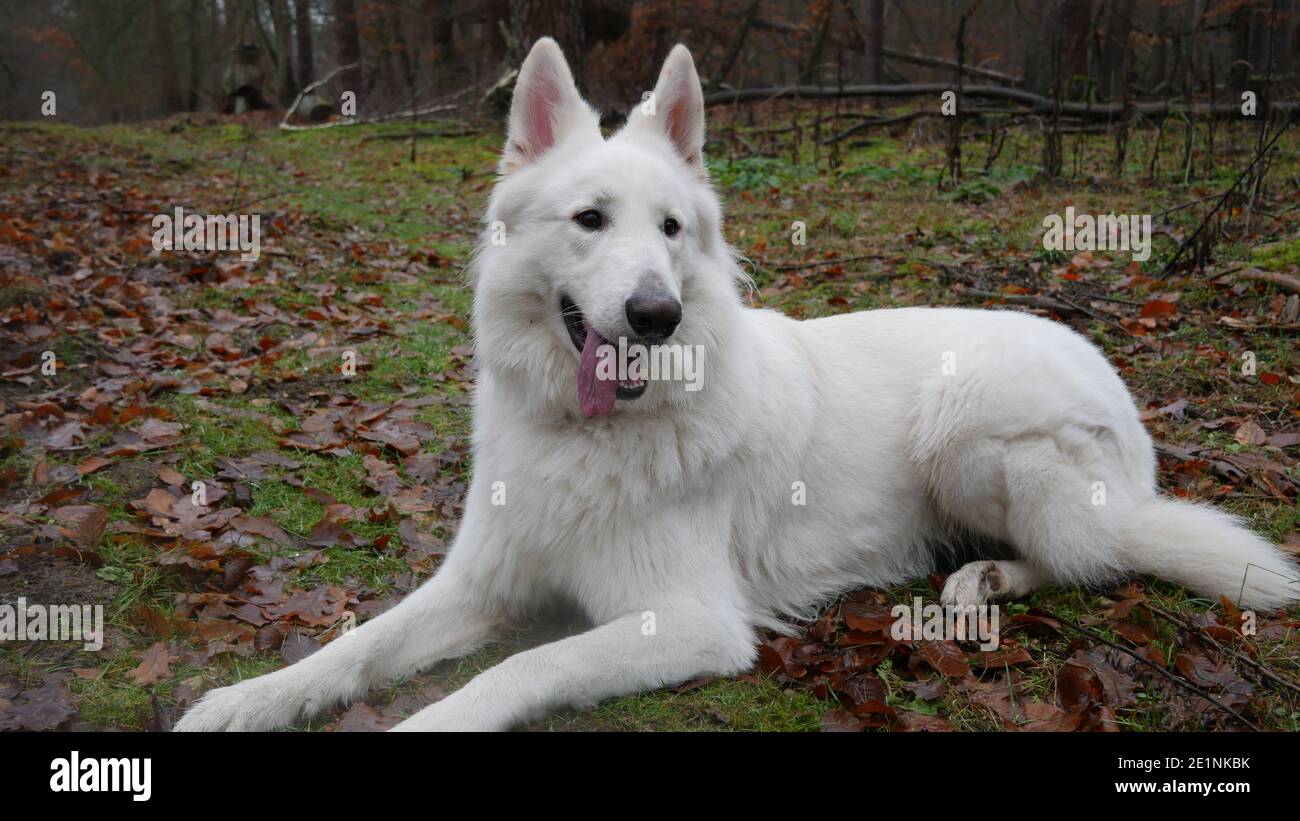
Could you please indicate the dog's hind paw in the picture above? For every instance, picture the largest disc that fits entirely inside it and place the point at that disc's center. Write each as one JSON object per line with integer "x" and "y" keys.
{"x": 975, "y": 583}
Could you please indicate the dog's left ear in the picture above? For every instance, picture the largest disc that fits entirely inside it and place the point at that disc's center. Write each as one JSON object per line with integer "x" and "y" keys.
{"x": 677, "y": 108}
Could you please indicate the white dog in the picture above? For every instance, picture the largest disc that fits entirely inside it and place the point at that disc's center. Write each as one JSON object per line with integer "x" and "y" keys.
{"x": 816, "y": 457}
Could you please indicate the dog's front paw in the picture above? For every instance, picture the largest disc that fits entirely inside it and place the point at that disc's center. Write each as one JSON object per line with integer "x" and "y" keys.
{"x": 247, "y": 706}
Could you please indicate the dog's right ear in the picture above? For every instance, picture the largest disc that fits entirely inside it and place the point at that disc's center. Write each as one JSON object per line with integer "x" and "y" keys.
{"x": 546, "y": 107}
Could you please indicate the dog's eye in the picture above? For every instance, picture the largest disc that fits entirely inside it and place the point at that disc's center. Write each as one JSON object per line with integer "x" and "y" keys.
{"x": 591, "y": 219}
{"x": 671, "y": 227}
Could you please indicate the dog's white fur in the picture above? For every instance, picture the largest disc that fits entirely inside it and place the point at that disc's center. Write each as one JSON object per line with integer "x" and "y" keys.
{"x": 677, "y": 509}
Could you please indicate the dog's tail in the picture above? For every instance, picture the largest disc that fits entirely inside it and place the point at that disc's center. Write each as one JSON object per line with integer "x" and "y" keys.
{"x": 1210, "y": 553}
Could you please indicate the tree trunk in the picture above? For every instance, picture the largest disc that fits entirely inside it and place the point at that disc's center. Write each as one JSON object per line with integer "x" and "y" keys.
{"x": 1063, "y": 34}
{"x": 443, "y": 31}
{"x": 193, "y": 96}
{"x": 165, "y": 55}
{"x": 306, "y": 54}
{"x": 1160, "y": 65}
{"x": 875, "y": 42}
{"x": 1114, "y": 55}
{"x": 737, "y": 45}
{"x": 285, "y": 87}
{"x": 348, "y": 43}
{"x": 530, "y": 20}
{"x": 1075, "y": 23}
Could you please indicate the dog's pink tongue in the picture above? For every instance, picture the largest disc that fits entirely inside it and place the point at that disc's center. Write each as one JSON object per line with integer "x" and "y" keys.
{"x": 596, "y": 395}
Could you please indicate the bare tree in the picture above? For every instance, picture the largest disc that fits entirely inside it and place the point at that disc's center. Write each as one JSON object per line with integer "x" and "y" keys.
{"x": 165, "y": 56}
{"x": 281, "y": 52}
{"x": 530, "y": 20}
{"x": 348, "y": 43}
{"x": 1062, "y": 40}
{"x": 1114, "y": 54}
{"x": 875, "y": 46}
{"x": 302, "y": 30}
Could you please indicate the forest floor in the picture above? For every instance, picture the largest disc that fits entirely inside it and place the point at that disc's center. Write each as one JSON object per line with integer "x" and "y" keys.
{"x": 328, "y": 495}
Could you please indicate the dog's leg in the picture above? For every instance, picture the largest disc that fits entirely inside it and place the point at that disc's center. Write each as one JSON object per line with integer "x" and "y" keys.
{"x": 981, "y": 582}
{"x": 635, "y": 652}
{"x": 442, "y": 619}
{"x": 1062, "y": 515}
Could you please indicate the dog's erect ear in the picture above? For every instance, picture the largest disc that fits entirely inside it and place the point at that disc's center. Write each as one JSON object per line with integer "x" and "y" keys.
{"x": 546, "y": 106}
{"x": 677, "y": 108}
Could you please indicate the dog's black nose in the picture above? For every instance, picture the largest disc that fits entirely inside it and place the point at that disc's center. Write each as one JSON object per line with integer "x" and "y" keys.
{"x": 653, "y": 315}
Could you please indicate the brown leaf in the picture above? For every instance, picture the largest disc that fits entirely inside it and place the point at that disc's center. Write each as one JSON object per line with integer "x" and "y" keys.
{"x": 44, "y": 709}
{"x": 927, "y": 690}
{"x": 298, "y": 646}
{"x": 416, "y": 540}
{"x": 913, "y": 722}
{"x": 1005, "y": 656}
{"x": 863, "y": 688}
{"x": 945, "y": 657}
{"x": 91, "y": 529}
{"x": 155, "y": 664}
{"x": 1283, "y": 440}
{"x": 1206, "y": 673}
{"x": 841, "y": 721}
{"x": 326, "y": 533}
{"x": 1249, "y": 433}
{"x": 320, "y": 607}
{"x": 1157, "y": 308}
{"x": 867, "y": 618}
{"x": 267, "y": 529}
{"x": 381, "y": 477}
{"x": 91, "y": 464}
{"x": 362, "y": 718}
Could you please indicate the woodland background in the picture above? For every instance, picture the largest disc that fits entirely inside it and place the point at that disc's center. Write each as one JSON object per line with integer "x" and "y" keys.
{"x": 125, "y": 60}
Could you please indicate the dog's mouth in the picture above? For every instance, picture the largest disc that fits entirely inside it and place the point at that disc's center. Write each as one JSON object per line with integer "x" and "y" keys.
{"x": 596, "y": 394}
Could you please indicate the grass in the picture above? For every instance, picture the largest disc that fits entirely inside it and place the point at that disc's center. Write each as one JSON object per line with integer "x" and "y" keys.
{"x": 877, "y": 197}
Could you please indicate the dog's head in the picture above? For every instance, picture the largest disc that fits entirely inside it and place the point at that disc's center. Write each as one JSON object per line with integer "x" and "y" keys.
{"x": 592, "y": 242}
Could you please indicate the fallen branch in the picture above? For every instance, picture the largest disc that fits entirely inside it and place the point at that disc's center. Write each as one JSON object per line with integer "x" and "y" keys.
{"x": 1046, "y": 303}
{"x": 1217, "y": 466}
{"x": 951, "y": 65}
{"x": 288, "y": 112}
{"x": 1286, "y": 282}
{"x": 434, "y": 108}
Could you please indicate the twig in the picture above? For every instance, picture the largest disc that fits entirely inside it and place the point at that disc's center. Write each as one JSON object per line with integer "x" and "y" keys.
{"x": 1260, "y": 668}
{"x": 1118, "y": 326}
{"x": 1047, "y": 303}
{"x": 1169, "y": 266}
{"x": 1196, "y": 201}
{"x": 1186, "y": 685}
